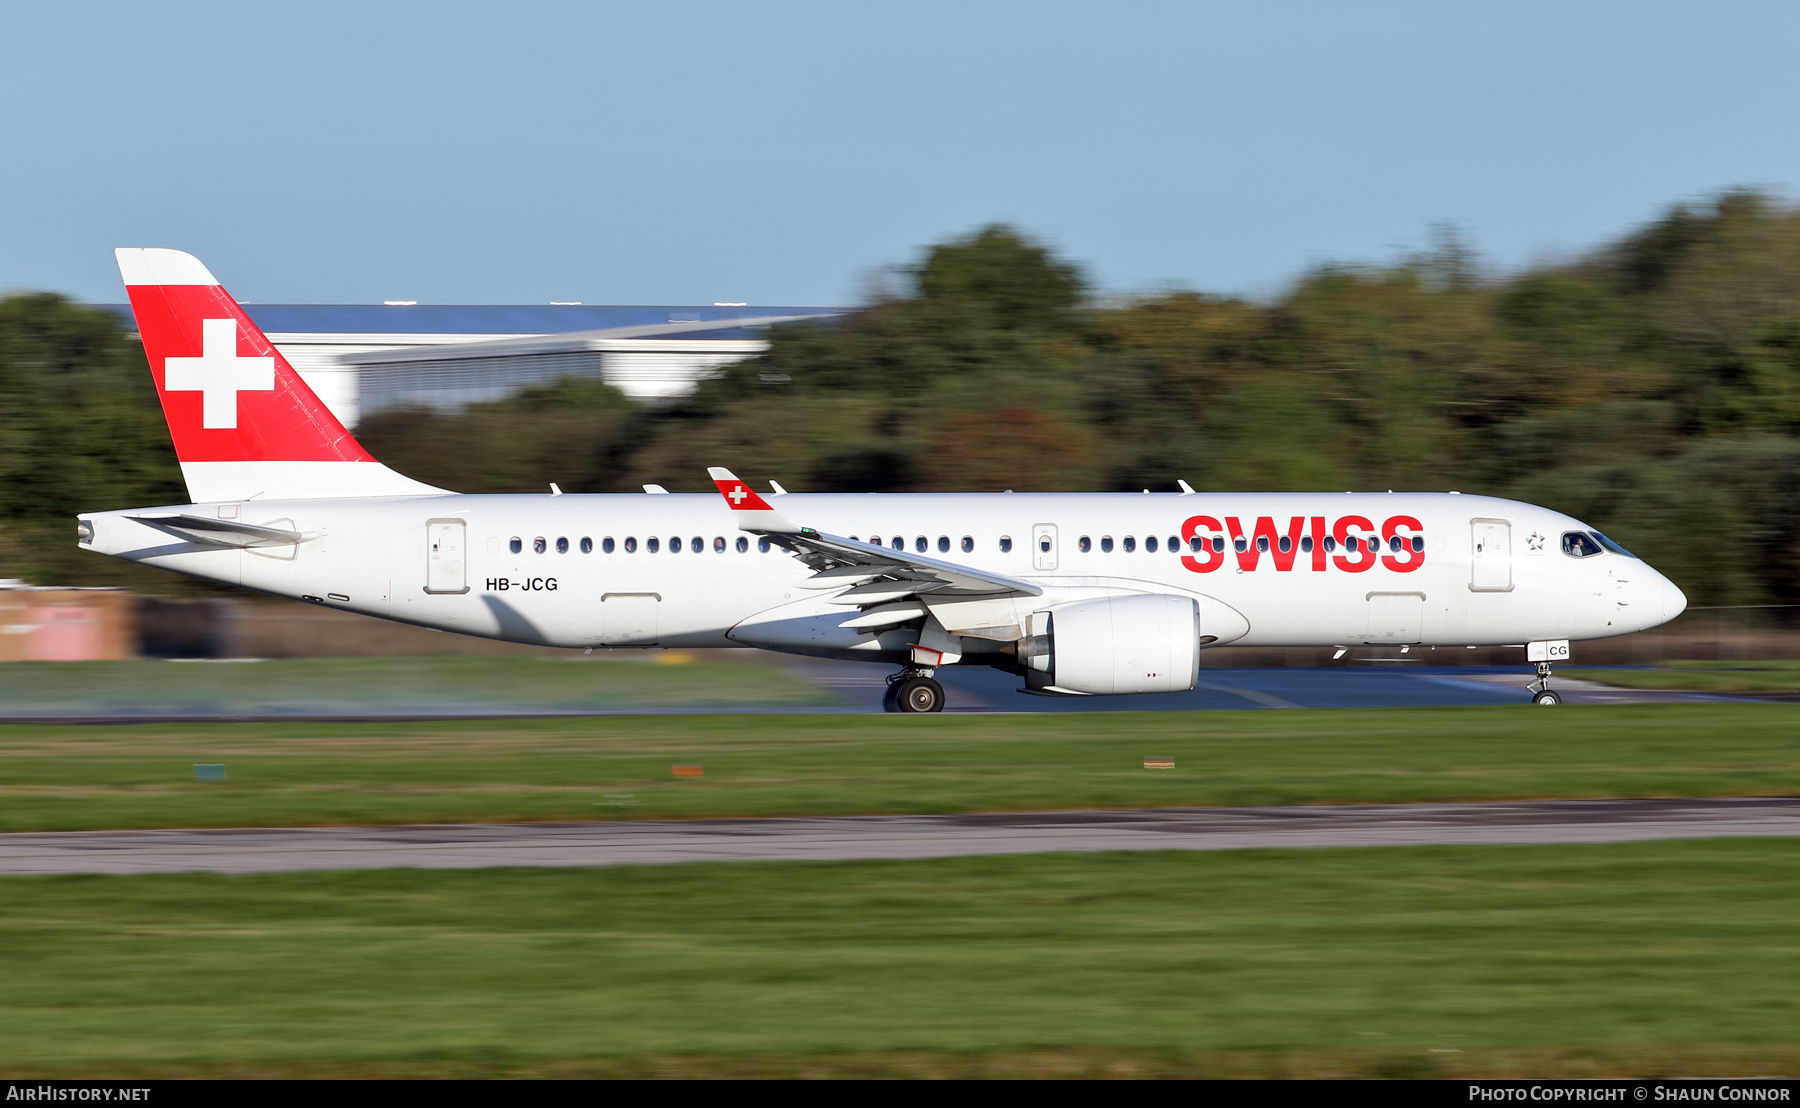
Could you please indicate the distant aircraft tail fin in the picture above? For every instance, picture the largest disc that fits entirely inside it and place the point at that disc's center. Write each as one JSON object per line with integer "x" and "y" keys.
{"x": 245, "y": 425}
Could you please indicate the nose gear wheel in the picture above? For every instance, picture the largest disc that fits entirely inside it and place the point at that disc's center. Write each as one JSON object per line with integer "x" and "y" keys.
{"x": 1541, "y": 693}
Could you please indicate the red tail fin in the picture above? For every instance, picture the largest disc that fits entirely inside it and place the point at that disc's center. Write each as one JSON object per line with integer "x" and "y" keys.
{"x": 245, "y": 425}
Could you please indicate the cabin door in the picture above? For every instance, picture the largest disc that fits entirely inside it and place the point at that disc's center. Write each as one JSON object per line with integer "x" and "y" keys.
{"x": 1490, "y": 555}
{"x": 446, "y": 548}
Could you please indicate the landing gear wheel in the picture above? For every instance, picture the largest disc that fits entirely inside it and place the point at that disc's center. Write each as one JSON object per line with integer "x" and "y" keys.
{"x": 919, "y": 694}
{"x": 1541, "y": 695}
{"x": 890, "y": 697}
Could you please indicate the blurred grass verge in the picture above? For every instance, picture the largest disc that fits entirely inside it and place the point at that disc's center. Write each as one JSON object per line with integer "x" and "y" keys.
{"x": 1771, "y": 675}
{"x": 71, "y": 777}
{"x": 1642, "y": 959}
{"x": 571, "y": 683}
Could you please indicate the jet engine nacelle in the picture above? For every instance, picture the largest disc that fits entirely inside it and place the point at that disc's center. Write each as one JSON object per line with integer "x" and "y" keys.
{"x": 1142, "y": 643}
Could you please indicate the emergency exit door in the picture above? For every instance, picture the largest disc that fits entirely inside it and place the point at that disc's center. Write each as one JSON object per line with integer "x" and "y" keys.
{"x": 1043, "y": 546}
{"x": 445, "y": 561}
{"x": 1490, "y": 555}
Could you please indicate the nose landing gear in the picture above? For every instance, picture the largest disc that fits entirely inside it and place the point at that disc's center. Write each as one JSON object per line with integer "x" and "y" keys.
{"x": 1541, "y": 654}
{"x": 1542, "y": 694}
{"x": 913, "y": 689}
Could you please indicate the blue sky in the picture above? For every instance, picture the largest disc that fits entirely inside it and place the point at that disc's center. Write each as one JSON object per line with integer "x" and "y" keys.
{"x": 784, "y": 153}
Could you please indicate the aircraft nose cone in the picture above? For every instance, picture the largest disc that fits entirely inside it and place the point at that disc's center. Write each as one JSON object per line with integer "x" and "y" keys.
{"x": 1669, "y": 600}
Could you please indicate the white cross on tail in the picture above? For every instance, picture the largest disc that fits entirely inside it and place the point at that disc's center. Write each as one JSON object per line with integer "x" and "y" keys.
{"x": 738, "y": 495}
{"x": 218, "y": 374}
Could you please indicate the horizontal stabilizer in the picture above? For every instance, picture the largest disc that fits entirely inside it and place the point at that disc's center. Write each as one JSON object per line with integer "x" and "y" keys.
{"x": 224, "y": 532}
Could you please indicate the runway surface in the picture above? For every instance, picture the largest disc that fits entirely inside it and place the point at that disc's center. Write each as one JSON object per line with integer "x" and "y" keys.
{"x": 857, "y": 688}
{"x": 860, "y": 685}
{"x": 469, "y": 846}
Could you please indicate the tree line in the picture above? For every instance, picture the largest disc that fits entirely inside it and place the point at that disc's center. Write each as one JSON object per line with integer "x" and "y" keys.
{"x": 1650, "y": 387}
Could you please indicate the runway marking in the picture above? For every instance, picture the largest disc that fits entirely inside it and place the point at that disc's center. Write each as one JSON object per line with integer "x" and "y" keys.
{"x": 1255, "y": 696}
{"x": 840, "y": 838}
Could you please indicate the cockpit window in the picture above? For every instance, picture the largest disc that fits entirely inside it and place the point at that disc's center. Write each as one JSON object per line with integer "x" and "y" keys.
{"x": 1611, "y": 545}
{"x": 1580, "y": 544}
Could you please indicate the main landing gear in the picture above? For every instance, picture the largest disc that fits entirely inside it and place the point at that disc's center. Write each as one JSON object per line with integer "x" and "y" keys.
{"x": 913, "y": 690}
{"x": 1542, "y": 694}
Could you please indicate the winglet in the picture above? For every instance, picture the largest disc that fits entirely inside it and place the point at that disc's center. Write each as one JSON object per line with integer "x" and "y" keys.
{"x": 751, "y": 511}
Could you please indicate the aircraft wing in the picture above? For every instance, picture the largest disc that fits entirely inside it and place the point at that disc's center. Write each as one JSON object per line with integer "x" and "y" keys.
{"x": 222, "y": 532}
{"x": 872, "y": 574}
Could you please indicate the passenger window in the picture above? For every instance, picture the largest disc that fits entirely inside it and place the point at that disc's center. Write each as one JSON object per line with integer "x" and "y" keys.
{"x": 1150, "y": 544}
{"x": 718, "y": 544}
{"x": 1174, "y": 544}
{"x": 1352, "y": 544}
{"x": 1130, "y": 544}
{"x": 631, "y": 544}
{"x": 1218, "y": 544}
{"x": 743, "y": 545}
{"x": 562, "y": 545}
{"x": 1394, "y": 544}
{"x": 1306, "y": 545}
{"x": 1285, "y": 544}
{"x": 587, "y": 545}
{"x": 1418, "y": 544}
{"x": 943, "y": 544}
{"x": 898, "y": 543}
{"x": 1044, "y": 544}
{"x": 968, "y": 544}
{"x": 1106, "y": 544}
{"x": 606, "y": 545}
{"x": 1196, "y": 544}
{"x": 762, "y": 546}
{"x": 537, "y": 545}
{"x": 516, "y": 545}
{"x": 1241, "y": 545}
{"x": 1329, "y": 544}
{"x": 1084, "y": 544}
{"x": 696, "y": 544}
{"x": 652, "y": 545}
{"x": 1579, "y": 544}
{"x": 921, "y": 544}
{"x": 1005, "y": 545}
{"x": 1262, "y": 543}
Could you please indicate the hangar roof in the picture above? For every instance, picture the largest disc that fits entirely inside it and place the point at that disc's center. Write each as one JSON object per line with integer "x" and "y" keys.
{"x": 494, "y": 319}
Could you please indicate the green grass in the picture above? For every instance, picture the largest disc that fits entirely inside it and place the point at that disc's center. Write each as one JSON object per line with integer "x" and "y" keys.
{"x": 1645, "y": 958}
{"x": 66, "y": 777}
{"x": 1779, "y": 675}
{"x": 422, "y": 685}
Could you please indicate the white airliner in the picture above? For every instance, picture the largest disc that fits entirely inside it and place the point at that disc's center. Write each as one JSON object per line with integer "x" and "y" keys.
{"x": 1078, "y": 594}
